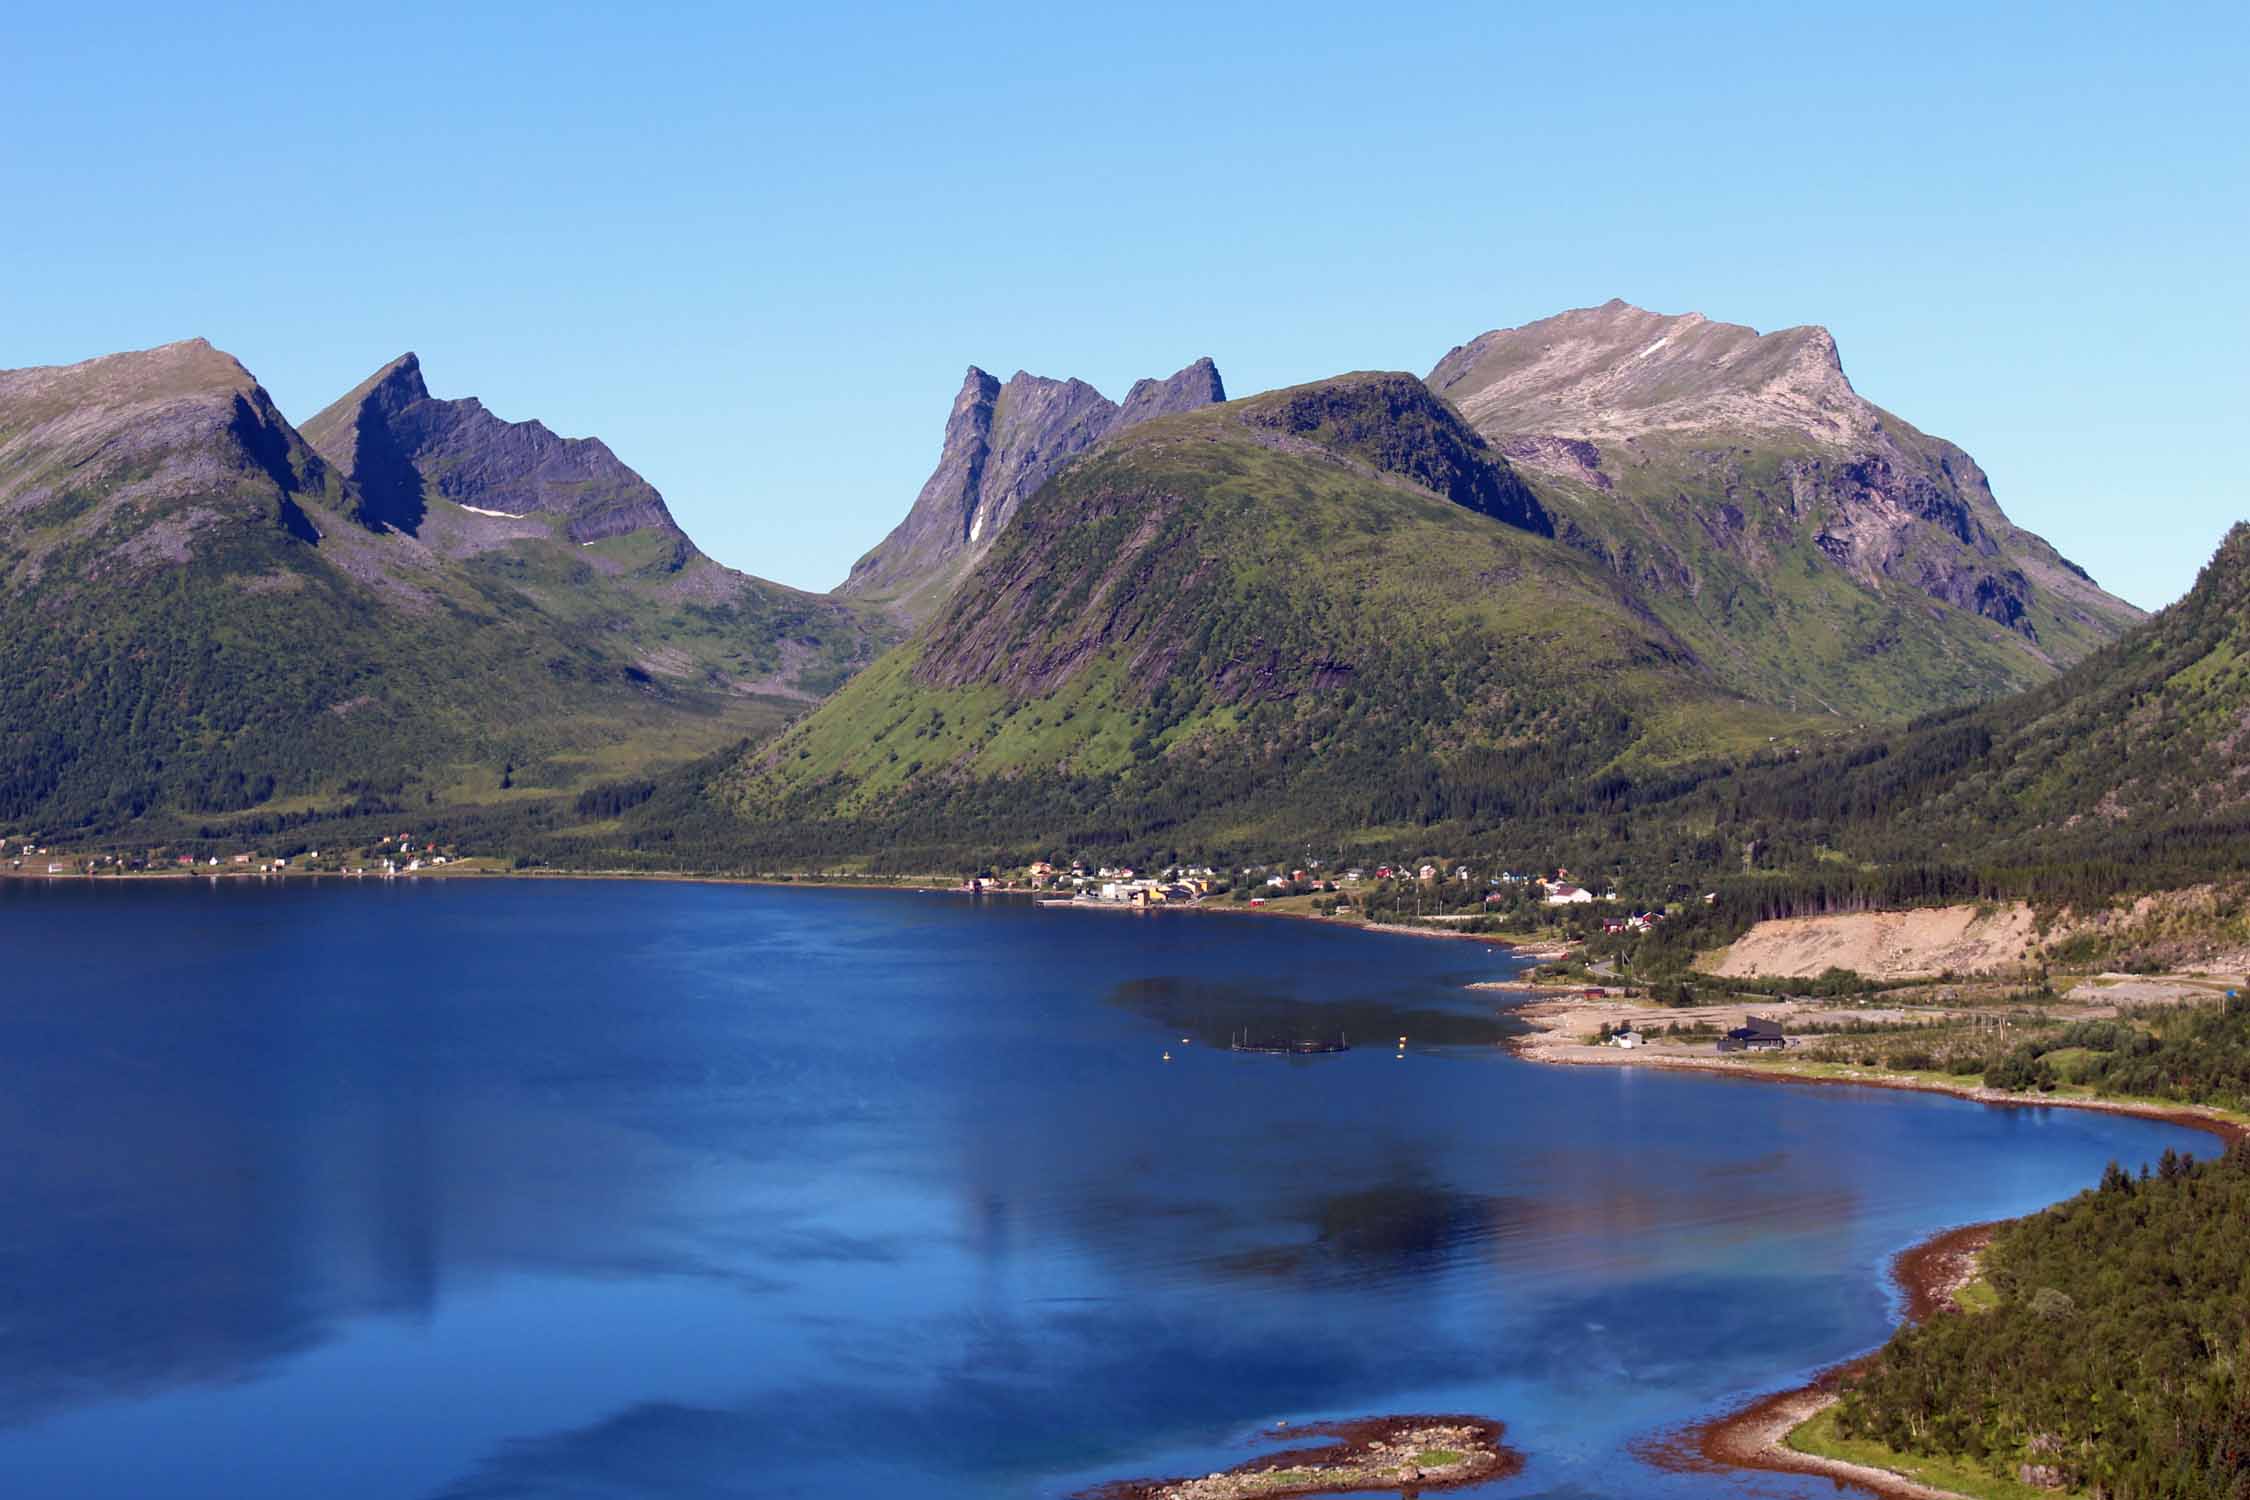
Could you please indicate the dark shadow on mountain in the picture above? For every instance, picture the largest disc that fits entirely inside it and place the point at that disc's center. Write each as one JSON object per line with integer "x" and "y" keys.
{"x": 267, "y": 446}
{"x": 299, "y": 525}
{"x": 390, "y": 487}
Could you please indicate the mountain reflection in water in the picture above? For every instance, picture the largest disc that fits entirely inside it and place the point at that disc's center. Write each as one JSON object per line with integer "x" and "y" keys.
{"x": 1214, "y": 1012}
{"x": 591, "y": 1189}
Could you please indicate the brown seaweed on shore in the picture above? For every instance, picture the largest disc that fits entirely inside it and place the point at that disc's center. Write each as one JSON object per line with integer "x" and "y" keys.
{"x": 1929, "y": 1274}
{"x": 1363, "y": 1454}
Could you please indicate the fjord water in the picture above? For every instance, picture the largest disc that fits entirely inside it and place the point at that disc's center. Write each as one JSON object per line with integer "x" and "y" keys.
{"x": 617, "y": 1189}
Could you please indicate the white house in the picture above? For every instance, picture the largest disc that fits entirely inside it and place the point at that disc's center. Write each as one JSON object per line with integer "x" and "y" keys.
{"x": 1568, "y": 895}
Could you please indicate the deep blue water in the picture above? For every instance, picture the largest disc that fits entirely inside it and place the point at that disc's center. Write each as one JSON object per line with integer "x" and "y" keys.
{"x": 607, "y": 1189}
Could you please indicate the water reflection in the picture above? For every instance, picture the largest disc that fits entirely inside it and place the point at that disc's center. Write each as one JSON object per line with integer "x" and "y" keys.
{"x": 621, "y": 1190}
{"x": 1215, "y": 1012}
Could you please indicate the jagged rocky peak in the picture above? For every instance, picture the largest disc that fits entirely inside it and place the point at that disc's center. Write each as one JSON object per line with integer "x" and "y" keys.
{"x": 1619, "y": 370}
{"x": 402, "y": 447}
{"x": 1196, "y": 386}
{"x": 1037, "y": 426}
{"x": 1002, "y": 442}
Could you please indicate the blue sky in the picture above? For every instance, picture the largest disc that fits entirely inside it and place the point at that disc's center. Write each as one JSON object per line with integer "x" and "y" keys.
{"x": 755, "y": 250}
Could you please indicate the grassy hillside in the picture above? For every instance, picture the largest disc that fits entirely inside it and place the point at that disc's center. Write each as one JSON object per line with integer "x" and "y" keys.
{"x": 1314, "y": 613}
{"x": 203, "y": 620}
{"x": 1723, "y": 539}
{"x": 2134, "y": 757}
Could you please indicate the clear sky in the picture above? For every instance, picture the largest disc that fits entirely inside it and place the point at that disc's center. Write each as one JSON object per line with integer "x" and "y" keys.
{"x": 755, "y": 249}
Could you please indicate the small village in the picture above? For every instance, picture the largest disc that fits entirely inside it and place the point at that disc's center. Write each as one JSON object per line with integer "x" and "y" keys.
{"x": 393, "y": 854}
{"x": 1423, "y": 890}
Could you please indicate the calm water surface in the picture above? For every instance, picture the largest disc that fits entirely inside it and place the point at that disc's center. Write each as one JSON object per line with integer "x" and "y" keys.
{"x": 604, "y": 1190}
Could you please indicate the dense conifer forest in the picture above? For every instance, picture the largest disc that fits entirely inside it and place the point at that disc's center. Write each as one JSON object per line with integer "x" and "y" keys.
{"x": 2112, "y": 1362}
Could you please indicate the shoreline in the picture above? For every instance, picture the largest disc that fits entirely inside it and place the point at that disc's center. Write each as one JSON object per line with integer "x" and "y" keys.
{"x": 1752, "y": 1437}
{"x": 1359, "y": 1455}
{"x": 1756, "y": 1436}
{"x": 2215, "y": 1122}
{"x": 1535, "y": 951}
{"x": 920, "y": 885}
{"x": 1928, "y": 1274}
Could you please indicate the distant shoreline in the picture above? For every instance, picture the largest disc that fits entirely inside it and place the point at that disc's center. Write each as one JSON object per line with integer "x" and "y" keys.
{"x": 1538, "y": 1047}
{"x": 1929, "y": 1273}
{"x": 924, "y": 886}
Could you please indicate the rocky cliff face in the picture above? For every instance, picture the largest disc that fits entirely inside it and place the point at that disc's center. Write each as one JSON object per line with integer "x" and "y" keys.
{"x": 137, "y": 460}
{"x": 1619, "y": 371}
{"x": 1196, "y": 386}
{"x": 1741, "y": 481}
{"x": 1002, "y": 442}
{"x": 400, "y": 445}
{"x": 525, "y": 505}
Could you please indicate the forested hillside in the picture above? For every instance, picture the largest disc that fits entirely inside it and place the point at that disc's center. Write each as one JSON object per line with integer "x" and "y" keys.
{"x": 2134, "y": 760}
{"x": 2112, "y": 1363}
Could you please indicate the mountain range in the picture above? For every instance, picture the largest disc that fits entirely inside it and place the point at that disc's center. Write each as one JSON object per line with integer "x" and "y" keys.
{"x": 1592, "y": 547}
{"x": 206, "y": 613}
{"x": 1579, "y": 552}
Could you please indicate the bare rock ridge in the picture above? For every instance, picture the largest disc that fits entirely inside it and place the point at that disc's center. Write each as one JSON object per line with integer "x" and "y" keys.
{"x": 1619, "y": 371}
{"x": 1197, "y": 385}
{"x": 401, "y": 446}
{"x": 519, "y": 492}
{"x": 1002, "y": 442}
{"x": 1696, "y": 457}
{"x": 159, "y": 452}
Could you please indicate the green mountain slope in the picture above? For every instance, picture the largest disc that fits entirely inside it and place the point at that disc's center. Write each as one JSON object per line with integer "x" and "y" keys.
{"x": 204, "y": 617}
{"x": 588, "y": 540}
{"x": 1815, "y": 550}
{"x": 1316, "y": 611}
{"x": 2125, "y": 775}
{"x": 2138, "y": 755}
